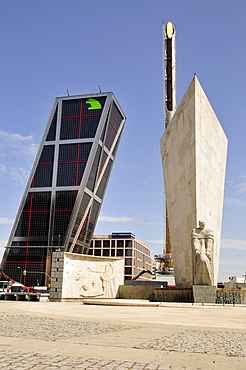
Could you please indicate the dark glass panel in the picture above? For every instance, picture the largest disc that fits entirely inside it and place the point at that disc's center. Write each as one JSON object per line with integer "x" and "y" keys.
{"x": 128, "y": 270}
{"x": 78, "y": 249}
{"x": 128, "y": 261}
{"x": 43, "y": 176}
{"x": 44, "y": 170}
{"x": 80, "y": 118}
{"x": 84, "y": 228}
{"x": 128, "y": 252}
{"x": 104, "y": 180}
{"x": 51, "y": 136}
{"x": 63, "y": 208}
{"x": 34, "y": 220}
{"x": 128, "y": 243}
{"x": 32, "y": 260}
{"x": 94, "y": 170}
{"x": 120, "y": 243}
{"x": 71, "y": 163}
{"x": 114, "y": 122}
{"x": 65, "y": 200}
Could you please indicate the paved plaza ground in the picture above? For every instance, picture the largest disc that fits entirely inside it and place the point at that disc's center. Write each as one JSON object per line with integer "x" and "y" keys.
{"x": 72, "y": 335}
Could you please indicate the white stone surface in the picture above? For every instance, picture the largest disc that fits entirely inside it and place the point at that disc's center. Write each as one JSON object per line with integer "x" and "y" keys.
{"x": 193, "y": 149}
{"x": 89, "y": 276}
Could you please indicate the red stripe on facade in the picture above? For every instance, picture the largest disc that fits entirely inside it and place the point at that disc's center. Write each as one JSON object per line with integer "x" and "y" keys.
{"x": 112, "y": 125}
{"x": 72, "y": 162}
{"x": 33, "y": 211}
{"x": 41, "y": 164}
{"x": 23, "y": 262}
{"x": 82, "y": 116}
{"x": 30, "y": 216}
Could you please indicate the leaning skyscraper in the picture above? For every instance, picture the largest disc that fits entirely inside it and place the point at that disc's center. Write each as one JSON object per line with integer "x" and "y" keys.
{"x": 65, "y": 190}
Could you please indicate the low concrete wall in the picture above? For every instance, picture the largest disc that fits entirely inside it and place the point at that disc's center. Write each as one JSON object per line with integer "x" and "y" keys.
{"x": 173, "y": 295}
{"x": 154, "y": 293}
{"x": 154, "y": 283}
{"x": 230, "y": 296}
{"x": 136, "y": 292}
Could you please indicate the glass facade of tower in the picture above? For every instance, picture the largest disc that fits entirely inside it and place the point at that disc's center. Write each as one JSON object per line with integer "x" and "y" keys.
{"x": 66, "y": 187}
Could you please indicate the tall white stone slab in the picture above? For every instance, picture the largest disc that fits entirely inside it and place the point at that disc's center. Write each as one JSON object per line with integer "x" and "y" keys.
{"x": 76, "y": 276}
{"x": 193, "y": 149}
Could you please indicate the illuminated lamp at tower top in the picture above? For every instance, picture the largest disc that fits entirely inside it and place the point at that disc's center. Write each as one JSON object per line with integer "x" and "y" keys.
{"x": 169, "y": 71}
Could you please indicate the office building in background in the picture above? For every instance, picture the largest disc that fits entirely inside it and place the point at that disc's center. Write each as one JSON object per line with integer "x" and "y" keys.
{"x": 135, "y": 253}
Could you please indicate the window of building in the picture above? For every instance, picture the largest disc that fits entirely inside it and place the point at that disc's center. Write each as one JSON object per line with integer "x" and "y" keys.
{"x": 113, "y": 244}
{"x": 119, "y": 252}
{"x": 106, "y": 244}
{"x": 119, "y": 243}
{"x": 105, "y": 252}
{"x": 128, "y": 252}
{"x": 128, "y": 270}
{"x": 97, "y": 252}
{"x": 128, "y": 243}
{"x": 128, "y": 261}
{"x": 112, "y": 252}
{"x": 97, "y": 243}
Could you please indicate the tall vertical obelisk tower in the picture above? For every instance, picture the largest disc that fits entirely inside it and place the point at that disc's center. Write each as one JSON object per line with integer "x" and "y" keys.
{"x": 193, "y": 151}
{"x": 169, "y": 93}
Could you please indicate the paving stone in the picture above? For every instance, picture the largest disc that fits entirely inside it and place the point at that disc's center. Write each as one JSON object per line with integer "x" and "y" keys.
{"x": 196, "y": 341}
{"x": 53, "y": 329}
{"x": 227, "y": 343}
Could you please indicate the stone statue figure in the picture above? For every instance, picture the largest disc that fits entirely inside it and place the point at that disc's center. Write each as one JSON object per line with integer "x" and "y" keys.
{"x": 202, "y": 242}
{"x": 108, "y": 281}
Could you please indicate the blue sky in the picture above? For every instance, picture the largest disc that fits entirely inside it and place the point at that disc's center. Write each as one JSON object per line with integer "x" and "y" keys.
{"x": 49, "y": 46}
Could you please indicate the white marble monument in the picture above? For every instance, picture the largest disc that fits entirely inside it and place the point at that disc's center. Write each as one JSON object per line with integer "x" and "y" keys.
{"x": 193, "y": 150}
{"x": 82, "y": 276}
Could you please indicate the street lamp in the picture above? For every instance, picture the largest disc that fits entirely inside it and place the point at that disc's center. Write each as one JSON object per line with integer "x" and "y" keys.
{"x": 20, "y": 272}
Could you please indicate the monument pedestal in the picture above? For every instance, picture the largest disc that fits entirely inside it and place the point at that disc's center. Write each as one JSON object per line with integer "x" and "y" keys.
{"x": 204, "y": 294}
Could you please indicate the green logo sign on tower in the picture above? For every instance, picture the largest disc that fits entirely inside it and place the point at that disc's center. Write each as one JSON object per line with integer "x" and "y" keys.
{"x": 94, "y": 104}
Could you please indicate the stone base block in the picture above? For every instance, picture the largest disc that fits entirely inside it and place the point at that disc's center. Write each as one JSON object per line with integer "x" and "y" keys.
{"x": 173, "y": 295}
{"x": 204, "y": 294}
